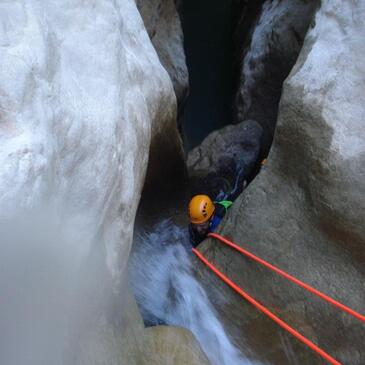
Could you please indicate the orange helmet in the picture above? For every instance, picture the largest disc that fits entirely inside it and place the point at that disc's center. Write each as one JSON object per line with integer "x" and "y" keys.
{"x": 201, "y": 208}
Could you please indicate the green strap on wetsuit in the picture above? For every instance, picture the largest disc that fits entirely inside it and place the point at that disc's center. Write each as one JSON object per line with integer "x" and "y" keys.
{"x": 225, "y": 203}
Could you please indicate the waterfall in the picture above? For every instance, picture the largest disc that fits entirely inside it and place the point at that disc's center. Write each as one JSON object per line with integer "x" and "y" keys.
{"x": 167, "y": 291}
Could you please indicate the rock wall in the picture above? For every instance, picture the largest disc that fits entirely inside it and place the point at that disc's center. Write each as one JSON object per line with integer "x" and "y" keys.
{"x": 83, "y": 96}
{"x": 164, "y": 28}
{"x": 304, "y": 211}
{"x": 269, "y": 48}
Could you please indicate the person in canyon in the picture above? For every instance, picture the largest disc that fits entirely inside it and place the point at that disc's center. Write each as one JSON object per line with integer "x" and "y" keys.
{"x": 206, "y": 214}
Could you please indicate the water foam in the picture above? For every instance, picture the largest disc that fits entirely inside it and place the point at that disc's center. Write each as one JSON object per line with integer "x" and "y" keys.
{"x": 167, "y": 291}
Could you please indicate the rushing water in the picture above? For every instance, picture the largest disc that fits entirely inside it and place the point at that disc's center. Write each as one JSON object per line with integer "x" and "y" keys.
{"x": 167, "y": 292}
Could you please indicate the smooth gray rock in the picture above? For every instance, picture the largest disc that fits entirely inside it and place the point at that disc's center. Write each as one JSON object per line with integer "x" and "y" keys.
{"x": 270, "y": 54}
{"x": 85, "y": 104}
{"x": 305, "y": 211}
{"x": 164, "y": 28}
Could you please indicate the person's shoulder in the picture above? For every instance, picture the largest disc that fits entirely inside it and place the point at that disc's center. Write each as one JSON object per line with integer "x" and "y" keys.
{"x": 219, "y": 209}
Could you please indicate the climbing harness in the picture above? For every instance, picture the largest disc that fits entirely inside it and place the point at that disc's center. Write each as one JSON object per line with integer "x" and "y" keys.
{"x": 266, "y": 311}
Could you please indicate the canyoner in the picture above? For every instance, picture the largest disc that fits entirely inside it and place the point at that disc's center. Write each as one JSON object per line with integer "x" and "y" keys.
{"x": 205, "y": 214}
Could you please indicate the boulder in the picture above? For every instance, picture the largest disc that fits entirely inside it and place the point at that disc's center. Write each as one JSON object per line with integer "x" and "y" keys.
{"x": 137, "y": 345}
{"x": 169, "y": 345}
{"x": 84, "y": 105}
{"x": 213, "y": 165}
{"x": 305, "y": 210}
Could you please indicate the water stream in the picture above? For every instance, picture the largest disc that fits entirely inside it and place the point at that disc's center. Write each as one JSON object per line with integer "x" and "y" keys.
{"x": 167, "y": 291}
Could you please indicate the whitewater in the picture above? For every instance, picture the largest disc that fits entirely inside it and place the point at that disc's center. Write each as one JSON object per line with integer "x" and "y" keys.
{"x": 167, "y": 292}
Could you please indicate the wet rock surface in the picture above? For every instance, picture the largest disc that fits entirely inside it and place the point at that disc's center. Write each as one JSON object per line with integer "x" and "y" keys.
{"x": 304, "y": 211}
{"x": 164, "y": 28}
{"x": 173, "y": 346}
{"x": 269, "y": 52}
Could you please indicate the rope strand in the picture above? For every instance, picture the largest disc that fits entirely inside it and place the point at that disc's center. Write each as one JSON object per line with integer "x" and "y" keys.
{"x": 267, "y": 312}
{"x": 290, "y": 277}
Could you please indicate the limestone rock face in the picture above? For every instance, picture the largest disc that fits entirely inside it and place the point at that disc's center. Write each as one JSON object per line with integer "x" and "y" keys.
{"x": 164, "y": 28}
{"x": 83, "y": 96}
{"x": 305, "y": 210}
{"x": 270, "y": 54}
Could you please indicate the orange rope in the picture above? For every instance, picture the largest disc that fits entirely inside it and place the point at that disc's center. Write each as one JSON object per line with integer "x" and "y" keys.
{"x": 291, "y": 278}
{"x": 271, "y": 315}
